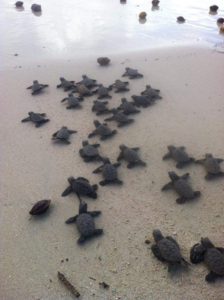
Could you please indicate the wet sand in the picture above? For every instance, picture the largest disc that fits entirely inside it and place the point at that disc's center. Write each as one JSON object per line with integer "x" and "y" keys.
{"x": 34, "y": 168}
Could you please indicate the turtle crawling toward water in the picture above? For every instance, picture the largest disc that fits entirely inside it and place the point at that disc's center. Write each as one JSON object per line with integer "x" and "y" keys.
{"x": 100, "y": 107}
{"x": 36, "y": 118}
{"x": 37, "y": 87}
{"x": 182, "y": 187}
{"x": 166, "y": 249}
{"x": 120, "y": 118}
{"x": 179, "y": 155}
{"x": 103, "y": 92}
{"x": 103, "y": 61}
{"x": 212, "y": 256}
{"x": 212, "y": 166}
{"x": 83, "y": 90}
{"x": 81, "y": 187}
{"x": 132, "y": 73}
{"x": 142, "y": 101}
{"x": 85, "y": 223}
{"x": 90, "y": 152}
{"x": 153, "y": 94}
{"x": 120, "y": 86}
{"x": 127, "y": 107}
{"x": 36, "y": 7}
{"x": 66, "y": 84}
{"x": 180, "y": 19}
{"x": 63, "y": 135}
{"x": 131, "y": 156}
{"x": 88, "y": 82}
{"x": 109, "y": 172}
{"x": 102, "y": 130}
{"x": 72, "y": 101}
{"x": 19, "y": 4}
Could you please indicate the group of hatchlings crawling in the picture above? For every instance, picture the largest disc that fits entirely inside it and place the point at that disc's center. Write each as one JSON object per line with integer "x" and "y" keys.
{"x": 165, "y": 249}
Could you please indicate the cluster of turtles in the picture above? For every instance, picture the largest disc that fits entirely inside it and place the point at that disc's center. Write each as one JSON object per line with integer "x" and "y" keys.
{"x": 166, "y": 249}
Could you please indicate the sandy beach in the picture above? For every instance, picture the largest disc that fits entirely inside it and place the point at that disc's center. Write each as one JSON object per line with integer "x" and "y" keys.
{"x": 33, "y": 168}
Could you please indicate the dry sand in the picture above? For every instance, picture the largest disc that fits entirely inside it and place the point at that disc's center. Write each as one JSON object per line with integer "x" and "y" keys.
{"x": 33, "y": 168}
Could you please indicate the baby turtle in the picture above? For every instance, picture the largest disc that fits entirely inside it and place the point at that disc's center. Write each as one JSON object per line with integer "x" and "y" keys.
{"x": 85, "y": 223}
{"x": 37, "y": 87}
{"x": 83, "y": 90}
{"x": 182, "y": 187}
{"x": 142, "y": 15}
{"x": 100, "y": 107}
{"x": 120, "y": 118}
{"x": 131, "y": 156}
{"x": 109, "y": 172}
{"x": 155, "y": 3}
{"x": 40, "y": 207}
{"x": 212, "y": 166}
{"x": 166, "y": 249}
{"x": 179, "y": 155}
{"x": 212, "y": 256}
{"x": 220, "y": 21}
{"x": 120, "y": 86}
{"x": 89, "y": 152}
{"x": 153, "y": 94}
{"x": 88, "y": 82}
{"x": 36, "y": 118}
{"x": 73, "y": 102}
{"x": 103, "y": 61}
{"x": 19, "y": 4}
{"x": 128, "y": 108}
{"x": 132, "y": 73}
{"x": 142, "y": 101}
{"x": 102, "y": 130}
{"x": 65, "y": 84}
{"x": 81, "y": 187}
{"x": 103, "y": 92}
{"x": 63, "y": 135}
{"x": 36, "y": 7}
{"x": 213, "y": 8}
{"x": 180, "y": 19}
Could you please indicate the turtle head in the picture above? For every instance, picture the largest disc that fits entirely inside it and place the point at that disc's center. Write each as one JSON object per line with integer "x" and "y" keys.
{"x": 157, "y": 234}
{"x": 82, "y": 207}
{"x": 208, "y": 155}
{"x": 62, "y": 79}
{"x": 171, "y": 148}
{"x": 84, "y": 76}
{"x": 35, "y": 81}
{"x": 173, "y": 176}
{"x": 122, "y": 147}
{"x": 127, "y": 69}
{"x": 85, "y": 143}
{"x": 206, "y": 243}
{"x": 96, "y": 123}
{"x": 30, "y": 113}
{"x": 106, "y": 160}
{"x": 123, "y": 100}
{"x": 71, "y": 179}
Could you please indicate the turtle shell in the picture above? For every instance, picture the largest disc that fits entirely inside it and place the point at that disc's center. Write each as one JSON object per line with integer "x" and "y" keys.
{"x": 63, "y": 134}
{"x": 211, "y": 165}
{"x": 183, "y": 188}
{"x": 83, "y": 187}
{"x": 90, "y": 151}
{"x": 109, "y": 172}
{"x": 179, "y": 155}
{"x": 103, "y": 130}
{"x": 169, "y": 251}
{"x": 85, "y": 224}
{"x": 214, "y": 260}
{"x": 130, "y": 155}
{"x": 36, "y": 117}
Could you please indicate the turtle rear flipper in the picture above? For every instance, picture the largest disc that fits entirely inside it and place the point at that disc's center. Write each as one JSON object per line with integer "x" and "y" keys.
{"x": 26, "y": 120}
{"x": 95, "y": 213}
{"x": 181, "y": 200}
{"x": 67, "y": 191}
{"x": 167, "y": 186}
{"x": 211, "y": 277}
{"x": 211, "y": 176}
{"x": 129, "y": 121}
{"x": 42, "y": 123}
{"x": 138, "y": 163}
{"x": 180, "y": 165}
{"x": 92, "y": 134}
{"x": 71, "y": 220}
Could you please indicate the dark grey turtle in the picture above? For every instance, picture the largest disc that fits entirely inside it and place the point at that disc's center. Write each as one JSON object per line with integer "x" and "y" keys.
{"x": 63, "y": 135}
{"x": 66, "y": 85}
{"x": 19, "y": 4}
{"x": 103, "y": 92}
{"x": 100, "y": 107}
{"x": 81, "y": 187}
{"x": 89, "y": 152}
{"x": 103, "y": 61}
{"x": 85, "y": 223}
{"x": 83, "y": 90}
{"x": 142, "y": 101}
{"x": 128, "y": 108}
{"x": 166, "y": 249}
{"x": 109, "y": 172}
{"x": 88, "y": 82}
{"x": 36, "y": 118}
{"x": 212, "y": 256}
{"x": 213, "y": 8}
{"x": 121, "y": 86}
{"x": 212, "y": 166}
{"x": 102, "y": 130}
{"x": 36, "y": 7}
{"x": 180, "y": 19}
{"x": 153, "y": 94}
{"x": 37, "y": 87}
{"x": 179, "y": 155}
{"x": 182, "y": 187}
{"x": 132, "y": 73}
{"x": 72, "y": 101}
{"x": 131, "y": 156}
{"x": 155, "y": 3}
{"x": 120, "y": 118}
{"x": 220, "y": 21}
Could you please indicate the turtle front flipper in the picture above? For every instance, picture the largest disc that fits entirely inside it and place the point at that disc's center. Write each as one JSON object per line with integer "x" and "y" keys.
{"x": 136, "y": 148}
{"x": 200, "y": 161}
{"x": 156, "y": 252}
{"x": 82, "y": 239}
{"x": 211, "y": 277}
{"x": 185, "y": 176}
{"x": 38, "y": 124}
{"x": 109, "y": 119}
{"x": 118, "y": 181}
{"x": 26, "y": 120}
{"x": 211, "y": 176}
{"x": 63, "y": 100}
{"x": 94, "y": 213}
{"x": 72, "y": 131}
{"x": 219, "y": 160}
{"x": 71, "y": 220}
{"x": 92, "y": 134}
{"x": 167, "y": 186}
{"x": 181, "y": 200}
{"x": 67, "y": 191}
{"x": 173, "y": 241}
{"x": 98, "y": 170}
{"x": 120, "y": 156}
{"x": 167, "y": 156}
{"x": 29, "y": 87}
{"x": 97, "y": 232}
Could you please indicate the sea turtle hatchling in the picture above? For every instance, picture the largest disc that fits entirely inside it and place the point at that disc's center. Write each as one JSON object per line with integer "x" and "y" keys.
{"x": 19, "y": 4}
{"x": 212, "y": 166}
{"x": 89, "y": 152}
{"x": 153, "y": 94}
{"x": 120, "y": 118}
{"x": 179, "y": 155}
{"x": 37, "y": 118}
{"x": 132, "y": 73}
{"x": 100, "y": 107}
{"x": 120, "y": 86}
{"x": 127, "y": 107}
{"x": 88, "y": 82}
{"x": 131, "y": 156}
{"x": 142, "y": 101}
{"x": 36, "y": 7}
{"x": 103, "y": 92}
{"x": 66, "y": 84}
{"x": 37, "y": 87}
{"x": 81, "y": 187}
{"x": 180, "y": 19}
{"x": 72, "y": 101}
{"x": 102, "y": 130}
{"x": 109, "y": 172}
{"x": 166, "y": 249}
{"x": 103, "y": 61}
{"x": 83, "y": 90}
{"x": 182, "y": 187}
{"x": 212, "y": 256}
{"x": 85, "y": 223}
{"x": 63, "y": 135}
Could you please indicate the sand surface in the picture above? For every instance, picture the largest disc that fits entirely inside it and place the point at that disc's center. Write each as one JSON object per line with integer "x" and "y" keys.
{"x": 33, "y": 168}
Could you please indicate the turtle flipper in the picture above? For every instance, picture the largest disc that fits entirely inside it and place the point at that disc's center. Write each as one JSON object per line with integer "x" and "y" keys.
{"x": 81, "y": 240}
{"x": 199, "y": 161}
{"x": 72, "y": 131}
{"x": 167, "y": 186}
{"x": 25, "y": 120}
{"x": 92, "y": 134}
{"x": 97, "y": 170}
{"x": 120, "y": 156}
{"x": 167, "y": 156}
{"x": 67, "y": 191}
{"x": 63, "y": 100}
{"x": 118, "y": 181}
{"x": 156, "y": 252}
{"x": 211, "y": 176}
{"x": 97, "y": 232}
{"x": 104, "y": 182}
{"x": 219, "y": 160}
{"x": 211, "y": 277}
{"x": 185, "y": 176}
{"x": 181, "y": 200}
{"x": 71, "y": 220}
{"x": 94, "y": 213}
{"x": 197, "y": 194}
